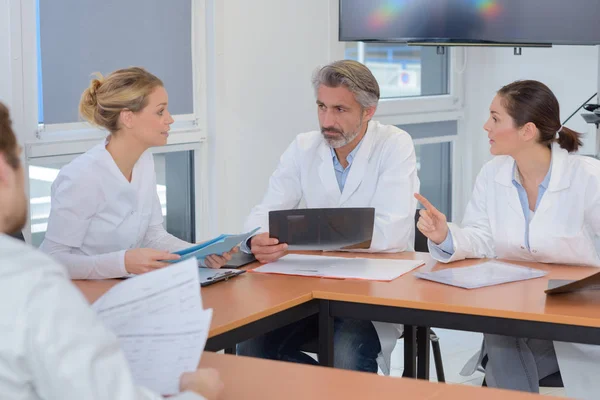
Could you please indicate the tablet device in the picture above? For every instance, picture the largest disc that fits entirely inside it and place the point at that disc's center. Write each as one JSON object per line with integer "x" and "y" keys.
{"x": 323, "y": 228}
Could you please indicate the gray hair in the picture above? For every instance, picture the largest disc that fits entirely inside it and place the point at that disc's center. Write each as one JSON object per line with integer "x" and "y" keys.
{"x": 354, "y": 76}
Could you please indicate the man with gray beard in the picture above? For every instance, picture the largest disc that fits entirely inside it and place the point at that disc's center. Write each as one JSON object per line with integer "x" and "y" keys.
{"x": 351, "y": 162}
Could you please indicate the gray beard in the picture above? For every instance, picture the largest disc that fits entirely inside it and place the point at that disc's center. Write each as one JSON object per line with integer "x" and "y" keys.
{"x": 337, "y": 143}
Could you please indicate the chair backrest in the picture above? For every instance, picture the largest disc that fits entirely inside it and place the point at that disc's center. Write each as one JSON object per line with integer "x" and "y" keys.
{"x": 420, "y": 239}
{"x": 18, "y": 235}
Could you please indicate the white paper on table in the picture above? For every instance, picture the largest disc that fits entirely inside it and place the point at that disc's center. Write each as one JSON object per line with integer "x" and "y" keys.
{"x": 160, "y": 323}
{"x": 340, "y": 267}
{"x": 486, "y": 274}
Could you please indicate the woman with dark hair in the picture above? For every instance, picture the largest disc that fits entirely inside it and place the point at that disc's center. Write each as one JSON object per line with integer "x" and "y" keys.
{"x": 535, "y": 201}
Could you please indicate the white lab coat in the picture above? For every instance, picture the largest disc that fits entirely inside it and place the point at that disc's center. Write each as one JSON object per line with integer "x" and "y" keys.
{"x": 564, "y": 230}
{"x": 383, "y": 175}
{"x": 97, "y": 215}
{"x": 53, "y": 346}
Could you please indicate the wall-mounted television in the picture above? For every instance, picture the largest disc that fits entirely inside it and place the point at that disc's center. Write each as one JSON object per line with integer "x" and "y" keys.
{"x": 542, "y": 22}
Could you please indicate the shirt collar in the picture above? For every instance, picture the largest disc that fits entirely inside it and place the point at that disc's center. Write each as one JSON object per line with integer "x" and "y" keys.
{"x": 350, "y": 156}
{"x": 545, "y": 182}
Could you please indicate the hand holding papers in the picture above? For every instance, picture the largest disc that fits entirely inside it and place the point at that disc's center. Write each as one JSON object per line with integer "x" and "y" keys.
{"x": 218, "y": 245}
{"x": 160, "y": 323}
{"x": 487, "y": 274}
{"x": 340, "y": 267}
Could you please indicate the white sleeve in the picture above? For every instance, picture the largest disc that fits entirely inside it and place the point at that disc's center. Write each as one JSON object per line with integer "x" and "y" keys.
{"x": 158, "y": 238}
{"x": 74, "y": 202}
{"x": 284, "y": 191}
{"x": 394, "y": 200}
{"x": 81, "y": 266}
{"x": 474, "y": 239}
{"x": 592, "y": 205}
{"x": 70, "y": 354}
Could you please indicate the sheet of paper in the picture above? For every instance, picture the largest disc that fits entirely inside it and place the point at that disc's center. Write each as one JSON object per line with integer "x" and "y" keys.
{"x": 486, "y": 274}
{"x": 160, "y": 323}
{"x": 340, "y": 267}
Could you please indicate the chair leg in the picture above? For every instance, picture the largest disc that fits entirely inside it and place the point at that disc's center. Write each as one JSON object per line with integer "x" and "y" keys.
{"x": 437, "y": 357}
{"x": 423, "y": 352}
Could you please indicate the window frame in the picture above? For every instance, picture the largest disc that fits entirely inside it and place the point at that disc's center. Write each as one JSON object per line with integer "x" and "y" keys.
{"x": 59, "y": 141}
{"x": 422, "y": 109}
{"x": 451, "y": 102}
{"x": 52, "y": 160}
{"x": 456, "y": 154}
{"x": 42, "y": 140}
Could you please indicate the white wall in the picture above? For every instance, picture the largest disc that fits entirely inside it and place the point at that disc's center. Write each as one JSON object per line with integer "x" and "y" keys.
{"x": 265, "y": 53}
{"x": 570, "y": 72}
{"x": 5, "y": 62}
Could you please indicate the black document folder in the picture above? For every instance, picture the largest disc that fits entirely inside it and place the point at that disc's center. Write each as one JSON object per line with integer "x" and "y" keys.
{"x": 323, "y": 228}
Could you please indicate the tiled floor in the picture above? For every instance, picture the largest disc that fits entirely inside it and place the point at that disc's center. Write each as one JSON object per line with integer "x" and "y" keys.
{"x": 457, "y": 348}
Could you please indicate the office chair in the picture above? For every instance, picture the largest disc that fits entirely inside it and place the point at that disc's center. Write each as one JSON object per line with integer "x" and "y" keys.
{"x": 553, "y": 381}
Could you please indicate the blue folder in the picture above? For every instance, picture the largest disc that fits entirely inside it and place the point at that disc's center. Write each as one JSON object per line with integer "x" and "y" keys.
{"x": 218, "y": 245}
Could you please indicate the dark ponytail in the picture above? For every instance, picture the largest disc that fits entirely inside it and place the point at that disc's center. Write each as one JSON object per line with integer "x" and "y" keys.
{"x": 569, "y": 140}
{"x": 532, "y": 101}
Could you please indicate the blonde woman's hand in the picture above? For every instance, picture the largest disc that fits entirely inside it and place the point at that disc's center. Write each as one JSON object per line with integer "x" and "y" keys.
{"x": 140, "y": 261}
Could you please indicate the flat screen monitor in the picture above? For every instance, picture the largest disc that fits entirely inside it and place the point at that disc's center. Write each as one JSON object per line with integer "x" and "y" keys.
{"x": 544, "y": 22}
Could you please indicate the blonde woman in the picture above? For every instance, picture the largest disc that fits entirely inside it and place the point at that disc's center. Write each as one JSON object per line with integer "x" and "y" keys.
{"x": 105, "y": 219}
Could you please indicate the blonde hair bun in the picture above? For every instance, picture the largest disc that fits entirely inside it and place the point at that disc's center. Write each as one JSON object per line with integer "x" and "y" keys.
{"x": 102, "y": 102}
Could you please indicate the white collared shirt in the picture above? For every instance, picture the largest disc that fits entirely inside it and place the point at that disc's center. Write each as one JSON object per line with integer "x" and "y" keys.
{"x": 53, "y": 346}
{"x": 97, "y": 215}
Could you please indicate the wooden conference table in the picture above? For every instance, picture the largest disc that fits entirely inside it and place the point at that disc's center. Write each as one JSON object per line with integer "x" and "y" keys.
{"x": 253, "y": 303}
{"x": 256, "y": 379}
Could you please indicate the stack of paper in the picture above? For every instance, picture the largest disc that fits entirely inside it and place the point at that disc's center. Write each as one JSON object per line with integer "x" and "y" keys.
{"x": 481, "y": 275}
{"x": 161, "y": 325}
{"x": 218, "y": 245}
{"x": 340, "y": 267}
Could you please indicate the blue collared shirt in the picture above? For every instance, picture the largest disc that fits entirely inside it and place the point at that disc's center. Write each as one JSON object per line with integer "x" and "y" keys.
{"x": 447, "y": 246}
{"x": 341, "y": 173}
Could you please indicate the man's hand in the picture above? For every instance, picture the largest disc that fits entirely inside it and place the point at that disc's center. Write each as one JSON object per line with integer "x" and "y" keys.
{"x": 267, "y": 249}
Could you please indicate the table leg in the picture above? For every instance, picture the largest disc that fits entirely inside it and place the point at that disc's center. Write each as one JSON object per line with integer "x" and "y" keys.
{"x": 410, "y": 351}
{"x": 325, "y": 335}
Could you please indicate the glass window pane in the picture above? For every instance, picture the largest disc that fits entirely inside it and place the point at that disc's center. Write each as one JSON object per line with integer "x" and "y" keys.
{"x": 174, "y": 183}
{"x": 78, "y": 38}
{"x": 401, "y": 70}
{"x": 434, "y": 167}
